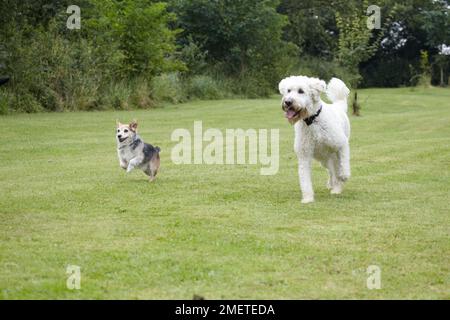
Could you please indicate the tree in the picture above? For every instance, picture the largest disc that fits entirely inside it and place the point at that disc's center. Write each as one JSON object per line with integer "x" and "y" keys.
{"x": 242, "y": 38}
{"x": 312, "y": 26}
{"x": 436, "y": 24}
{"x": 140, "y": 28}
{"x": 355, "y": 43}
{"x": 397, "y": 60}
{"x": 442, "y": 60}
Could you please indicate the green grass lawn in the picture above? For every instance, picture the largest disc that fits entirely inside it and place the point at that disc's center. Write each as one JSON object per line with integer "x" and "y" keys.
{"x": 226, "y": 231}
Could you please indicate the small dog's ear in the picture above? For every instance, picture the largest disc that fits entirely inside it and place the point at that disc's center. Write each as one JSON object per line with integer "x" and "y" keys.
{"x": 133, "y": 125}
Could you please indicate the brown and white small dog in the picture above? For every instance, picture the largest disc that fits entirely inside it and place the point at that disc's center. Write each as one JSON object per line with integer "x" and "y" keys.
{"x": 135, "y": 153}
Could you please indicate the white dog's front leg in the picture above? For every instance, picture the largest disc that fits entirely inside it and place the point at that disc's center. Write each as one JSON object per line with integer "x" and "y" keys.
{"x": 330, "y": 164}
{"x": 133, "y": 163}
{"x": 344, "y": 163}
{"x": 304, "y": 173}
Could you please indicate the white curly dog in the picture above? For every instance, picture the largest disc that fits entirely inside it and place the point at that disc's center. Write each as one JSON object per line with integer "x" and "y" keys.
{"x": 322, "y": 130}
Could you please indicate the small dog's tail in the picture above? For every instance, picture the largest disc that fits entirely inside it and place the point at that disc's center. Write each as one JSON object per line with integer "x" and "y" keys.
{"x": 338, "y": 92}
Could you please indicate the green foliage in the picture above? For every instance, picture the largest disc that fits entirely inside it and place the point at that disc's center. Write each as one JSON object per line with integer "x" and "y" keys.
{"x": 424, "y": 62}
{"x": 141, "y": 95}
{"x": 205, "y": 87}
{"x": 253, "y": 85}
{"x": 442, "y": 62}
{"x": 354, "y": 45}
{"x": 109, "y": 63}
{"x": 50, "y": 72}
{"x": 425, "y": 68}
{"x": 5, "y": 101}
{"x": 127, "y": 51}
{"x": 194, "y": 57}
{"x": 410, "y": 27}
{"x": 21, "y": 102}
{"x": 312, "y": 26}
{"x": 140, "y": 29}
{"x": 323, "y": 69}
{"x": 116, "y": 95}
{"x": 391, "y": 72}
{"x": 242, "y": 39}
{"x": 436, "y": 24}
{"x": 168, "y": 88}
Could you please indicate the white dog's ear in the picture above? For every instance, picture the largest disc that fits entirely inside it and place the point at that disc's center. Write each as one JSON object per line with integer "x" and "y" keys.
{"x": 318, "y": 85}
{"x": 282, "y": 86}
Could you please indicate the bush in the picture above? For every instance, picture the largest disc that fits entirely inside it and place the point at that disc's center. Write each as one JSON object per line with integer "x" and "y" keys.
{"x": 25, "y": 102}
{"x": 168, "y": 88}
{"x": 6, "y": 100}
{"x": 140, "y": 31}
{"x": 392, "y": 71}
{"x": 48, "y": 98}
{"x": 116, "y": 95}
{"x": 21, "y": 101}
{"x": 140, "y": 96}
{"x": 194, "y": 57}
{"x": 252, "y": 85}
{"x": 204, "y": 87}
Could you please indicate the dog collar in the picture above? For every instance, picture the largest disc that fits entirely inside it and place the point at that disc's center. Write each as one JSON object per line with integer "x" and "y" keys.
{"x": 311, "y": 119}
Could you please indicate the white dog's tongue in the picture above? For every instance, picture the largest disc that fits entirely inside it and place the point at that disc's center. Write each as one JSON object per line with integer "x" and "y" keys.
{"x": 289, "y": 114}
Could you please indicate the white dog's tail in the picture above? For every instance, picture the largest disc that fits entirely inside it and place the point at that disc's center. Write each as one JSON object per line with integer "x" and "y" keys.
{"x": 338, "y": 92}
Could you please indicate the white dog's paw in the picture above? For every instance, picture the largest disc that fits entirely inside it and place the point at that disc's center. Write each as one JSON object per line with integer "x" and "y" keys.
{"x": 344, "y": 176}
{"x": 337, "y": 187}
{"x": 336, "y": 190}
{"x": 308, "y": 199}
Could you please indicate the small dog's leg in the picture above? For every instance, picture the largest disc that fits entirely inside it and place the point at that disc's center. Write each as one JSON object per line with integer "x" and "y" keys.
{"x": 148, "y": 171}
{"x": 153, "y": 174}
{"x": 133, "y": 163}
{"x": 304, "y": 172}
{"x": 154, "y": 167}
{"x": 344, "y": 163}
{"x": 123, "y": 164}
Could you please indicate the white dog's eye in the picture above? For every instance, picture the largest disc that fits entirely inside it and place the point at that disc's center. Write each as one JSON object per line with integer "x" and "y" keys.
{"x": 289, "y": 90}
{"x": 300, "y": 91}
{"x": 118, "y": 130}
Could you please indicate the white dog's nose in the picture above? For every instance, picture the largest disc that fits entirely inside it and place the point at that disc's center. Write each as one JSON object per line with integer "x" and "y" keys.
{"x": 288, "y": 102}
